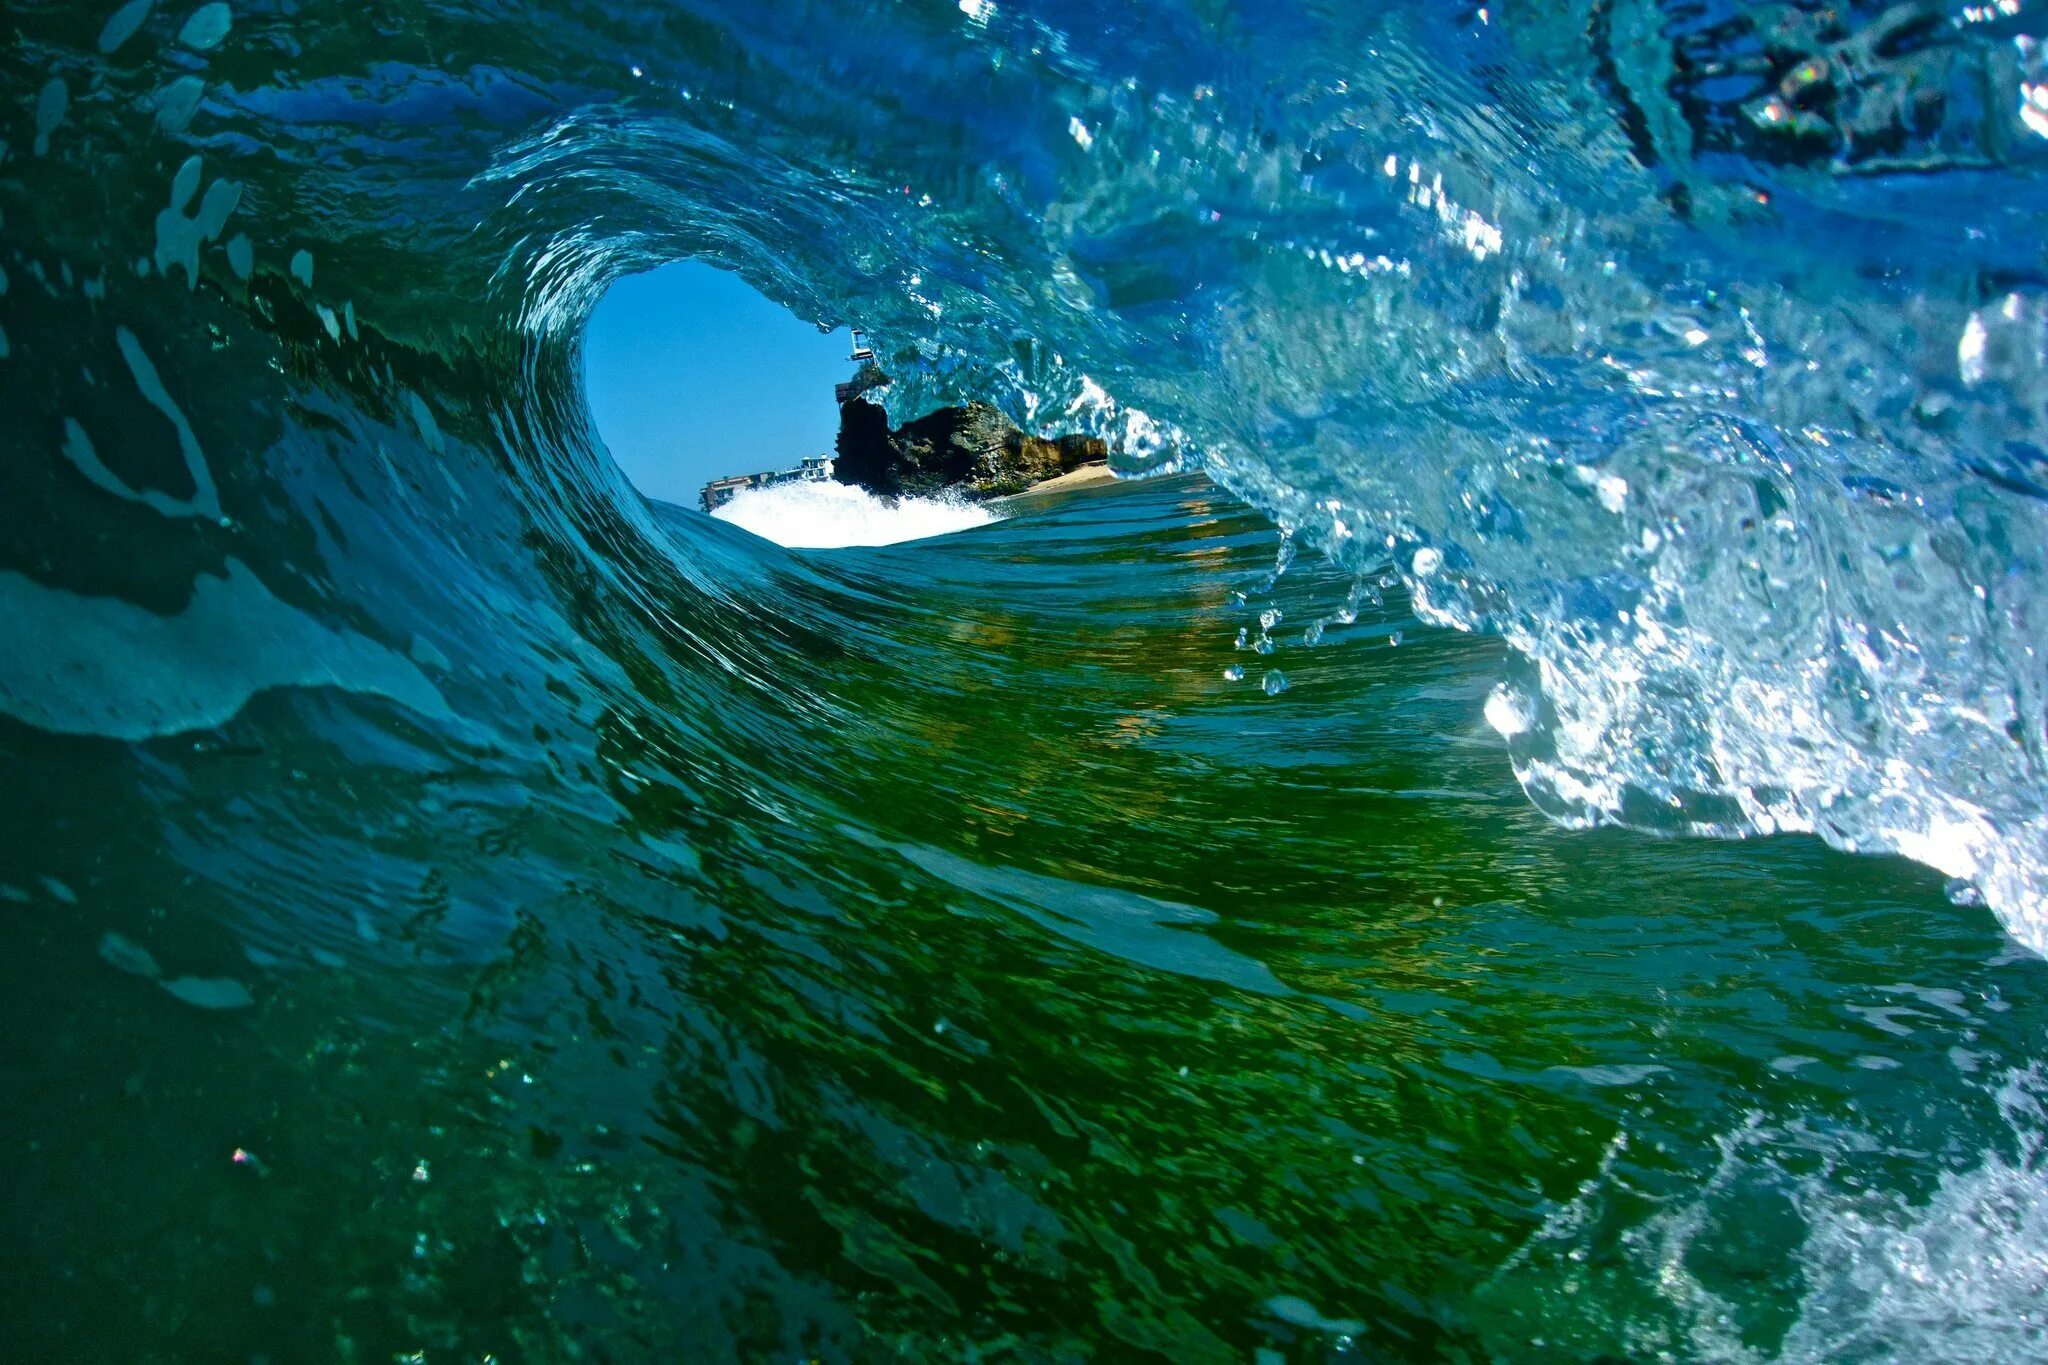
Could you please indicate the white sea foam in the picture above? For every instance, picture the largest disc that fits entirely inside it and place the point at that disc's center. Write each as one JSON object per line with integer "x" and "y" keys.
{"x": 827, "y": 515}
{"x": 1959, "y": 1274}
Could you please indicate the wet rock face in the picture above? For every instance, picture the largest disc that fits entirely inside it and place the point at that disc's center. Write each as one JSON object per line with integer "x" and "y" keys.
{"x": 864, "y": 453}
{"x": 1855, "y": 87}
{"x": 973, "y": 449}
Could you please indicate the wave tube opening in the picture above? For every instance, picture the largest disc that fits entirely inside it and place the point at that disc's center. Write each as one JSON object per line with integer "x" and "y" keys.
{"x": 692, "y": 376}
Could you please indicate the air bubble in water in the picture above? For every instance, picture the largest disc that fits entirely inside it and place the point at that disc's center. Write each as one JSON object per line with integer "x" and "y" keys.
{"x": 207, "y": 26}
{"x": 51, "y": 105}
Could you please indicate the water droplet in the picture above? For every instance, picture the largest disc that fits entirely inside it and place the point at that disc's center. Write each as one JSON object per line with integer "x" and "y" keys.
{"x": 207, "y": 26}
{"x": 125, "y": 954}
{"x": 1508, "y": 711}
{"x": 210, "y": 992}
{"x": 51, "y": 106}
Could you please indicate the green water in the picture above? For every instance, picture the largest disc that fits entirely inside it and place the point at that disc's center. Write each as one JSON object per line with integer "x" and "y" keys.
{"x": 1015, "y": 987}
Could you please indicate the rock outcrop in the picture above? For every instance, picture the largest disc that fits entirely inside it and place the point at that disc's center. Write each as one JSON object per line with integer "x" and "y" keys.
{"x": 973, "y": 449}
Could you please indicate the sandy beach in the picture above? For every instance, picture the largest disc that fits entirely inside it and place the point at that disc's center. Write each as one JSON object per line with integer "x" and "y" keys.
{"x": 1082, "y": 477}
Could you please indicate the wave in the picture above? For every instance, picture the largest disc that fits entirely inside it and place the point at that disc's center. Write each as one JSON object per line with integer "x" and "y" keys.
{"x": 829, "y": 515}
{"x": 1110, "y": 931}
{"x": 1888, "y": 1279}
{"x": 1481, "y": 304}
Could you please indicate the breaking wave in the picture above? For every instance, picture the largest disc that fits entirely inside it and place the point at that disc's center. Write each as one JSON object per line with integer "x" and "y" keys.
{"x": 828, "y": 515}
{"x": 477, "y": 911}
{"x": 1528, "y": 312}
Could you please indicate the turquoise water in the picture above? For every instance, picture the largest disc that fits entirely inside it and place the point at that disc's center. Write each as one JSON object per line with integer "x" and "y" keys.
{"x": 1517, "y": 838}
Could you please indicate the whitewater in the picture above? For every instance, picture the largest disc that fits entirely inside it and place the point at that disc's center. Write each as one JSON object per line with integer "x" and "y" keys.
{"x": 830, "y": 515}
{"x": 1515, "y": 830}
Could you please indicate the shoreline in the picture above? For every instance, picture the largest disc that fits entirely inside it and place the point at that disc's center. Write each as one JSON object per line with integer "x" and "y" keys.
{"x": 1083, "y": 476}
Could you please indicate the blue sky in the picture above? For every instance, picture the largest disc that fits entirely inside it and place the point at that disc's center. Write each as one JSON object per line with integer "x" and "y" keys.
{"x": 692, "y": 374}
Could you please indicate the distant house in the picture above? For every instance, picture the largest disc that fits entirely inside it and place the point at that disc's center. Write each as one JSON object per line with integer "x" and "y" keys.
{"x": 816, "y": 468}
{"x": 719, "y": 492}
{"x": 868, "y": 377}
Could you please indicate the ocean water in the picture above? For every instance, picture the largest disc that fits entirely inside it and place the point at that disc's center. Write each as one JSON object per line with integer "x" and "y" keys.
{"x": 1516, "y": 833}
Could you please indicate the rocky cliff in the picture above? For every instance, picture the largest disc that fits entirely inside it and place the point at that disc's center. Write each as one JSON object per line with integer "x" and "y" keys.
{"x": 974, "y": 449}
